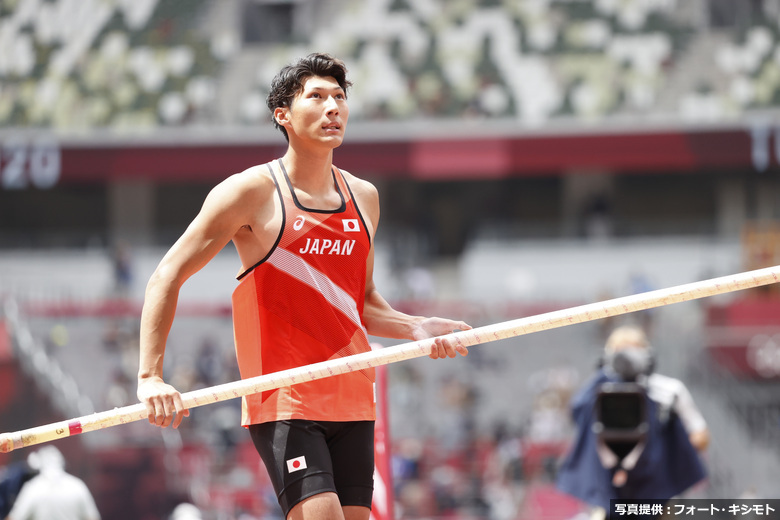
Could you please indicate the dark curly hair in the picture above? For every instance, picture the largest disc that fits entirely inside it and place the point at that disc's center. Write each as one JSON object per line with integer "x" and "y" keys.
{"x": 289, "y": 81}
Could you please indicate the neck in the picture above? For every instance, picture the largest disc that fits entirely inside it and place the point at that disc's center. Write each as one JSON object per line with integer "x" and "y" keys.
{"x": 310, "y": 170}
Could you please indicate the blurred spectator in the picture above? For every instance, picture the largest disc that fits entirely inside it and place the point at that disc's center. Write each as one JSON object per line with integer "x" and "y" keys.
{"x": 123, "y": 270}
{"x": 53, "y": 493}
{"x": 548, "y": 420}
{"x": 598, "y": 219}
{"x": 457, "y": 413}
{"x": 419, "y": 283}
{"x": 119, "y": 391}
{"x": 12, "y": 478}
{"x": 406, "y": 459}
{"x": 639, "y": 433}
{"x": 507, "y": 457}
{"x": 640, "y": 283}
{"x": 186, "y": 511}
{"x": 210, "y": 363}
{"x": 504, "y": 475}
{"x": 405, "y": 398}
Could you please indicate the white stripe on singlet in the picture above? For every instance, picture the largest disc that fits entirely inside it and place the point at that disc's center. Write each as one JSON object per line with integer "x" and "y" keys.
{"x": 302, "y": 271}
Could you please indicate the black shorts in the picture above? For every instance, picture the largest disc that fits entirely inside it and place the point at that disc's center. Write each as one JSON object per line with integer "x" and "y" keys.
{"x": 305, "y": 458}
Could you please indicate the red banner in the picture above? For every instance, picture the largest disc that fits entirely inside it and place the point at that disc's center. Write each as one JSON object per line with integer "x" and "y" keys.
{"x": 43, "y": 162}
{"x": 743, "y": 336}
{"x": 382, "y": 507}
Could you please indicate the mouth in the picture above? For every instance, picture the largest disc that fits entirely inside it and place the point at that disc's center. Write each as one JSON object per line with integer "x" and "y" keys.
{"x": 333, "y": 127}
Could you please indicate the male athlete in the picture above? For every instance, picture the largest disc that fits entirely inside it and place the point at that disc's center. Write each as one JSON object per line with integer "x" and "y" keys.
{"x": 304, "y": 231}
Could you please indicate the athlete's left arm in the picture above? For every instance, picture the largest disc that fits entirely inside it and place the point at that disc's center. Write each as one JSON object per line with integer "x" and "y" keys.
{"x": 379, "y": 317}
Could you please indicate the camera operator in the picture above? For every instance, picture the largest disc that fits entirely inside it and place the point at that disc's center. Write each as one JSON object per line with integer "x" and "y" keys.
{"x": 639, "y": 433}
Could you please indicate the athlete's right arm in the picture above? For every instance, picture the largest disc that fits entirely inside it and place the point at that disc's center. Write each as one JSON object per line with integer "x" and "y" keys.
{"x": 227, "y": 208}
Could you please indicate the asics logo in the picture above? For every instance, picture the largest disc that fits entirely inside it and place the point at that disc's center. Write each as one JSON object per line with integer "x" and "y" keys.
{"x": 299, "y": 222}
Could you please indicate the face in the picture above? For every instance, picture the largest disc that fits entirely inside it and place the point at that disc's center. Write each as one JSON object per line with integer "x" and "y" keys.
{"x": 317, "y": 114}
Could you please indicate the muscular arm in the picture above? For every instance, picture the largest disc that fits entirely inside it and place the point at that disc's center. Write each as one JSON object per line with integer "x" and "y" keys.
{"x": 224, "y": 212}
{"x": 379, "y": 316}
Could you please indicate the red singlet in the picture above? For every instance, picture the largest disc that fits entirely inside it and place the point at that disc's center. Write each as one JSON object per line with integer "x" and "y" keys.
{"x": 303, "y": 304}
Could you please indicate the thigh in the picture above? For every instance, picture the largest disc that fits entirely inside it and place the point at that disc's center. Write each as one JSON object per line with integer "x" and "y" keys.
{"x": 351, "y": 446}
{"x": 296, "y": 455}
{"x": 324, "y": 506}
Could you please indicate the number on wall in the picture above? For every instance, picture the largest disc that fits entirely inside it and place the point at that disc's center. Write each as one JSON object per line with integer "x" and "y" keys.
{"x": 26, "y": 163}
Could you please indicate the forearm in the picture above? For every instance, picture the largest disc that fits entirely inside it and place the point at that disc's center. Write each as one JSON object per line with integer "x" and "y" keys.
{"x": 382, "y": 320}
{"x": 157, "y": 317}
{"x": 163, "y": 402}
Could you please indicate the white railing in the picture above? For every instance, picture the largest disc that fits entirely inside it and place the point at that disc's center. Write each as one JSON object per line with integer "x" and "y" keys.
{"x": 59, "y": 386}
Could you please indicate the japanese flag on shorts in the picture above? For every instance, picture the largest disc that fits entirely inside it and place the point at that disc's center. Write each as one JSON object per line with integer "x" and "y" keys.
{"x": 298, "y": 463}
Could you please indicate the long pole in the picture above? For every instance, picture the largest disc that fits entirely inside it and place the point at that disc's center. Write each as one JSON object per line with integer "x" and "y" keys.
{"x": 508, "y": 329}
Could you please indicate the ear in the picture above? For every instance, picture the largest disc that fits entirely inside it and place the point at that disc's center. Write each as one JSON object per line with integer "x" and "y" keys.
{"x": 282, "y": 115}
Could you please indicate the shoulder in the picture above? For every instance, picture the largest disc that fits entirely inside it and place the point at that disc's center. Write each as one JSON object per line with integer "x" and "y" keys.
{"x": 366, "y": 195}
{"x": 666, "y": 383}
{"x": 77, "y": 483}
{"x": 31, "y": 489}
{"x": 250, "y": 180}
{"x": 665, "y": 390}
{"x": 361, "y": 188}
{"x": 253, "y": 185}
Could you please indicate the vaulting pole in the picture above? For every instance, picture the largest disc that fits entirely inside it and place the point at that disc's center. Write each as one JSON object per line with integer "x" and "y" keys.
{"x": 468, "y": 338}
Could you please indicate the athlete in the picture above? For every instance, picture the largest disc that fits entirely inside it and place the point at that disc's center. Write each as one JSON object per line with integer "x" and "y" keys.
{"x": 304, "y": 231}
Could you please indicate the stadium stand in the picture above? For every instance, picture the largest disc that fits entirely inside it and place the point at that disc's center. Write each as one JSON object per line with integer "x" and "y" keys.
{"x": 85, "y": 65}
{"x": 530, "y": 61}
{"x": 131, "y": 66}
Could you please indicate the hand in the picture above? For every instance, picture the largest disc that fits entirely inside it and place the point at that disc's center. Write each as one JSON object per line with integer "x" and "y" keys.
{"x": 163, "y": 402}
{"x": 442, "y": 347}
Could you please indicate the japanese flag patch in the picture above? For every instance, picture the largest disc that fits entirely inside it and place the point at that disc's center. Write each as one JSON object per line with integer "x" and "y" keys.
{"x": 351, "y": 225}
{"x": 296, "y": 464}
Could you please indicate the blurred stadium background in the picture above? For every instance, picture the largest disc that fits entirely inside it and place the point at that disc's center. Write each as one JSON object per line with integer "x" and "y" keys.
{"x": 531, "y": 155}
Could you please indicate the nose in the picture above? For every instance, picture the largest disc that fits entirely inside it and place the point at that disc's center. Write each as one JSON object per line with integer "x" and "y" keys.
{"x": 331, "y": 105}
